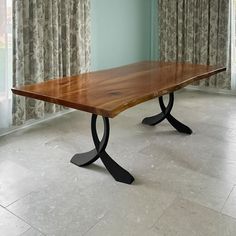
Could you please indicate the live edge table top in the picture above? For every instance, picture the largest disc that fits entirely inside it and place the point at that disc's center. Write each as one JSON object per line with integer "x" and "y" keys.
{"x": 109, "y": 92}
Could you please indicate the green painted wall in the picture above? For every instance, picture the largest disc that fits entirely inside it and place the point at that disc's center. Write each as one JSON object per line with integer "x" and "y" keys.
{"x": 121, "y": 32}
{"x": 2, "y": 68}
{"x": 154, "y": 49}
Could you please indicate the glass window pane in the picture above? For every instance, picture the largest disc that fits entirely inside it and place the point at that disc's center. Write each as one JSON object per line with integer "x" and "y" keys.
{"x": 5, "y": 63}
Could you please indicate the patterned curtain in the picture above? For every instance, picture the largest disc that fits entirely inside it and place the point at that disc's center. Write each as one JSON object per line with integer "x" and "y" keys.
{"x": 196, "y": 31}
{"x": 50, "y": 39}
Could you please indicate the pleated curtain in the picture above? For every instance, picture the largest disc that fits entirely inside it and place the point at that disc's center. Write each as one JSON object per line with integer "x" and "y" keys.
{"x": 51, "y": 39}
{"x": 196, "y": 31}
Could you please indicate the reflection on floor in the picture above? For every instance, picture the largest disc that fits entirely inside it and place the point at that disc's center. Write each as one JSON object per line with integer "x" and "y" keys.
{"x": 185, "y": 185}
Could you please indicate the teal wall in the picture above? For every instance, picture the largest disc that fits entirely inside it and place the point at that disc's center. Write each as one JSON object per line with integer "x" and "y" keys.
{"x": 2, "y": 69}
{"x": 154, "y": 44}
{"x": 120, "y": 31}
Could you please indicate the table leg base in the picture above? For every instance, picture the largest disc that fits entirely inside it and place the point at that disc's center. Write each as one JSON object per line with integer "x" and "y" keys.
{"x": 178, "y": 125}
{"x": 154, "y": 120}
{"x": 118, "y": 173}
{"x": 165, "y": 114}
{"x": 85, "y": 159}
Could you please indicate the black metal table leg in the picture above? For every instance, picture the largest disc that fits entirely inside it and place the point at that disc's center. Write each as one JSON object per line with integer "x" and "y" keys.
{"x": 165, "y": 114}
{"x": 84, "y": 159}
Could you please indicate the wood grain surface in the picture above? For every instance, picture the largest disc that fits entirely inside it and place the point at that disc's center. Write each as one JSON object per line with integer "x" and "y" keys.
{"x": 112, "y": 91}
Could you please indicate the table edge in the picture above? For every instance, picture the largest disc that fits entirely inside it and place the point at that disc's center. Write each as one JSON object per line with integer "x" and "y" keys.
{"x": 113, "y": 113}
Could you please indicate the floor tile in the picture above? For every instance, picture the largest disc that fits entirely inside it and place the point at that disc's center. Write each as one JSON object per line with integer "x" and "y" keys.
{"x": 66, "y": 210}
{"x": 185, "y": 218}
{"x": 135, "y": 212}
{"x": 10, "y": 225}
{"x": 197, "y": 152}
{"x": 15, "y": 182}
{"x": 32, "y": 232}
{"x": 230, "y": 205}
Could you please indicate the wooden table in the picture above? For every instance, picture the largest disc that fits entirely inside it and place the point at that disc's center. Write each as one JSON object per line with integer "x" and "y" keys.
{"x": 109, "y": 92}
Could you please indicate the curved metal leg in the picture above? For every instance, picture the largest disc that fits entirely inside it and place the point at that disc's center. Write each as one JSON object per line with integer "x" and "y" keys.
{"x": 165, "y": 114}
{"x": 175, "y": 123}
{"x": 178, "y": 125}
{"x": 84, "y": 159}
{"x": 87, "y": 158}
{"x": 154, "y": 120}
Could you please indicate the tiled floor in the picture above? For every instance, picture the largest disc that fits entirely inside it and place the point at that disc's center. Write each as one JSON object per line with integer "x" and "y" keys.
{"x": 185, "y": 185}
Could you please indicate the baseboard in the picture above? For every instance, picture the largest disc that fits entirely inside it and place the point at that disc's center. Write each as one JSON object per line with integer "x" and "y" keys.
{"x": 212, "y": 90}
{"x": 35, "y": 122}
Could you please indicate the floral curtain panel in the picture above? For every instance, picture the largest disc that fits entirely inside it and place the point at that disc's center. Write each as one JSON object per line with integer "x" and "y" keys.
{"x": 50, "y": 39}
{"x": 196, "y": 31}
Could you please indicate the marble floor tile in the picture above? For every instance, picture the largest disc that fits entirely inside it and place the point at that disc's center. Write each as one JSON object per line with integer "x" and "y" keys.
{"x": 207, "y": 155}
{"x": 15, "y": 182}
{"x": 186, "y": 182}
{"x": 122, "y": 228}
{"x": 184, "y": 218}
{"x": 32, "y": 232}
{"x": 135, "y": 212}
{"x": 230, "y": 204}
{"x": 11, "y": 225}
{"x": 63, "y": 209}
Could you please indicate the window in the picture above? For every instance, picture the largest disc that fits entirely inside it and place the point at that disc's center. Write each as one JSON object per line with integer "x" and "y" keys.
{"x": 5, "y": 62}
{"x": 233, "y": 30}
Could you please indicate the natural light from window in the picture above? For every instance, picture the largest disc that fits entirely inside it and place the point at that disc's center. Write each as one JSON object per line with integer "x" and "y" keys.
{"x": 233, "y": 12}
{"x": 5, "y": 62}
